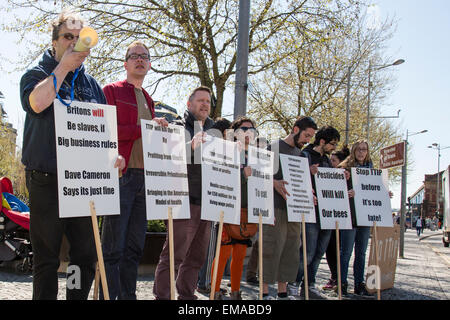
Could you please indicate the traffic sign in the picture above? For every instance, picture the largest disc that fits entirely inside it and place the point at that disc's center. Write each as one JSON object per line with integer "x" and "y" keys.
{"x": 392, "y": 156}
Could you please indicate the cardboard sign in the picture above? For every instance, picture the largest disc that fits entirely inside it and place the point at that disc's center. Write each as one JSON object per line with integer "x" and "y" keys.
{"x": 388, "y": 244}
{"x": 221, "y": 184}
{"x": 392, "y": 156}
{"x": 86, "y": 149}
{"x": 301, "y": 200}
{"x": 260, "y": 186}
{"x": 332, "y": 197}
{"x": 166, "y": 182}
{"x": 372, "y": 202}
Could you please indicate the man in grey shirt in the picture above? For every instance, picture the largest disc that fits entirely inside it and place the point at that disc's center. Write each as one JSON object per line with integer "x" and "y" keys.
{"x": 282, "y": 240}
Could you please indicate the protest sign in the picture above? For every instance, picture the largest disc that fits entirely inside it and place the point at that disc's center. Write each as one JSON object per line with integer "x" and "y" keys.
{"x": 86, "y": 150}
{"x": 260, "y": 186}
{"x": 332, "y": 197}
{"x": 388, "y": 239}
{"x": 166, "y": 182}
{"x": 300, "y": 202}
{"x": 221, "y": 184}
{"x": 372, "y": 202}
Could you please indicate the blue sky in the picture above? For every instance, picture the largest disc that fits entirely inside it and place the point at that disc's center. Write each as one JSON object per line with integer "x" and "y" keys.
{"x": 422, "y": 91}
{"x": 423, "y": 83}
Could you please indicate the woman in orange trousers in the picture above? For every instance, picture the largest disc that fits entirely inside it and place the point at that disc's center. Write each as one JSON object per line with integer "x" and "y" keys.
{"x": 236, "y": 244}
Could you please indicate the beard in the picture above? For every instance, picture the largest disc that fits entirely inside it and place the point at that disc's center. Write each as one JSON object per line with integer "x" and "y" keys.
{"x": 296, "y": 142}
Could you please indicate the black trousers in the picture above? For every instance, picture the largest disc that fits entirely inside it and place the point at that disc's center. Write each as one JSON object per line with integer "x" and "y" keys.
{"x": 331, "y": 255}
{"x": 46, "y": 232}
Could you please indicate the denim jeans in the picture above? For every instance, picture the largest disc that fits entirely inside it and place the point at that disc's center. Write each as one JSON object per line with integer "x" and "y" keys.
{"x": 46, "y": 232}
{"x": 316, "y": 244}
{"x": 123, "y": 237}
{"x": 359, "y": 238}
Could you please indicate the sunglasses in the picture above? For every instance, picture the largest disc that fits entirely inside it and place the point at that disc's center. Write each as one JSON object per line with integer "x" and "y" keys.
{"x": 245, "y": 129}
{"x": 135, "y": 56}
{"x": 68, "y": 36}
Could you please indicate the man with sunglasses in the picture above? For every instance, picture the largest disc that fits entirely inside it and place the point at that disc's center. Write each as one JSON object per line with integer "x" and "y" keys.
{"x": 60, "y": 74}
{"x": 325, "y": 142}
{"x": 123, "y": 236}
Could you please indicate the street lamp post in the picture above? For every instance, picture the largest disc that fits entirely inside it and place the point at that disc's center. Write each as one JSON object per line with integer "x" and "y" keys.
{"x": 240, "y": 98}
{"x": 403, "y": 194}
{"x": 437, "y": 146}
{"x": 395, "y": 63}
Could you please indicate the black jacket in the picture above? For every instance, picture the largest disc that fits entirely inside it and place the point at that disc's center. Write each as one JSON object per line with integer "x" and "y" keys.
{"x": 315, "y": 157}
{"x": 194, "y": 167}
{"x": 39, "y": 144}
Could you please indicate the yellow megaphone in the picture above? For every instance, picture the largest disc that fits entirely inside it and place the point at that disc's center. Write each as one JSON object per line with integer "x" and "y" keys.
{"x": 88, "y": 39}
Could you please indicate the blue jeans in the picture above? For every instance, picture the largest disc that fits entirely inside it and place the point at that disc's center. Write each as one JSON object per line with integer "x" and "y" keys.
{"x": 316, "y": 244}
{"x": 123, "y": 237}
{"x": 419, "y": 230}
{"x": 359, "y": 238}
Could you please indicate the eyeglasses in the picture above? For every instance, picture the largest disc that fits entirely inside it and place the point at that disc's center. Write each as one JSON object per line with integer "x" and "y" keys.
{"x": 334, "y": 144}
{"x": 245, "y": 129}
{"x": 68, "y": 36}
{"x": 135, "y": 56}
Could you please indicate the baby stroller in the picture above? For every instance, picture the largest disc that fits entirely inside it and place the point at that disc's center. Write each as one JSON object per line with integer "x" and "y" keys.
{"x": 15, "y": 242}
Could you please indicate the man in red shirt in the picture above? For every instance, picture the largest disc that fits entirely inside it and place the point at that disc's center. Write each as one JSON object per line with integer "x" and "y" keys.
{"x": 123, "y": 236}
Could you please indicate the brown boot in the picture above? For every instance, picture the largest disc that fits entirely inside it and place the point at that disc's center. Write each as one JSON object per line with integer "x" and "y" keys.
{"x": 235, "y": 295}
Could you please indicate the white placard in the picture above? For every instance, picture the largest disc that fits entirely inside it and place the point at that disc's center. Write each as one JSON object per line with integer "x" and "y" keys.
{"x": 372, "y": 202}
{"x": 260, "y": 186}
{"x": 86, "y": 150}
{"x": 301, "y": 199}
{"x": 221, "y": 184}
{"x": 166, "y": 182}
{"x": 332, "y": 197}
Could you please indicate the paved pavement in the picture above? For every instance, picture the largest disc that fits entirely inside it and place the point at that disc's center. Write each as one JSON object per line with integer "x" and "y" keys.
{"x": 423, "y": 274}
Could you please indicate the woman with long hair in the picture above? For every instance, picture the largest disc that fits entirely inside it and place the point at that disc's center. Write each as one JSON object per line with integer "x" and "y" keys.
{"x": 358, "y": 236}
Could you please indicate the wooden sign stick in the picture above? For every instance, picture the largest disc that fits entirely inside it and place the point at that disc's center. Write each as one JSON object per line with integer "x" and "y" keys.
{"x": 305, "y": 259}
{"x": 260, "y": 257}
{"x": 338, "y": 256}
{"x": 375, "y": 248}
{"x": 98, "y": 246}
{"x": 171, "y": 256}
{"x": 96, "y": 281}
{"x": 216, "y": 259}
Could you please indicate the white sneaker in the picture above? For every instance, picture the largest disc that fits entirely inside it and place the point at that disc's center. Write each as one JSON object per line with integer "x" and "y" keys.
{"x": 292, "y": 289}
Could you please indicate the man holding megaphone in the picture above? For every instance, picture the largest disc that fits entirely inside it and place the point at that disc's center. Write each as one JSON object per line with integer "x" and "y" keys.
{"x": 59, "y": 74}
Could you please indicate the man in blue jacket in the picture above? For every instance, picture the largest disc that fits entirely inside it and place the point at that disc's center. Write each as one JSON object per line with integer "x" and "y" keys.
{"x": 58, "y": 74}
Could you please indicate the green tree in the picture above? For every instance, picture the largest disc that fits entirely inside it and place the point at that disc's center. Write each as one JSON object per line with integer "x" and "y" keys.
{"x": 10, "y": 163}
{"x": 191, "y": 41}
{"x": 312, "y": 81}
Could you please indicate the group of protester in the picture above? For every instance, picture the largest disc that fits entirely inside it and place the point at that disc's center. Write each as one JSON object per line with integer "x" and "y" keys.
{"x": 61, "y": 74}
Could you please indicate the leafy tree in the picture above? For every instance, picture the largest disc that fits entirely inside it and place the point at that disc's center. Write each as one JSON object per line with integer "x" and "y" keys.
{"x": 10, "y": 164}
{"x": 191, "y": 41}
{"x": 313, "y": 81}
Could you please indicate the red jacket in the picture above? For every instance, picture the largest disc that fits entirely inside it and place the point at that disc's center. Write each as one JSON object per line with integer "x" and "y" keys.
{"x": 121, "y": 94}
